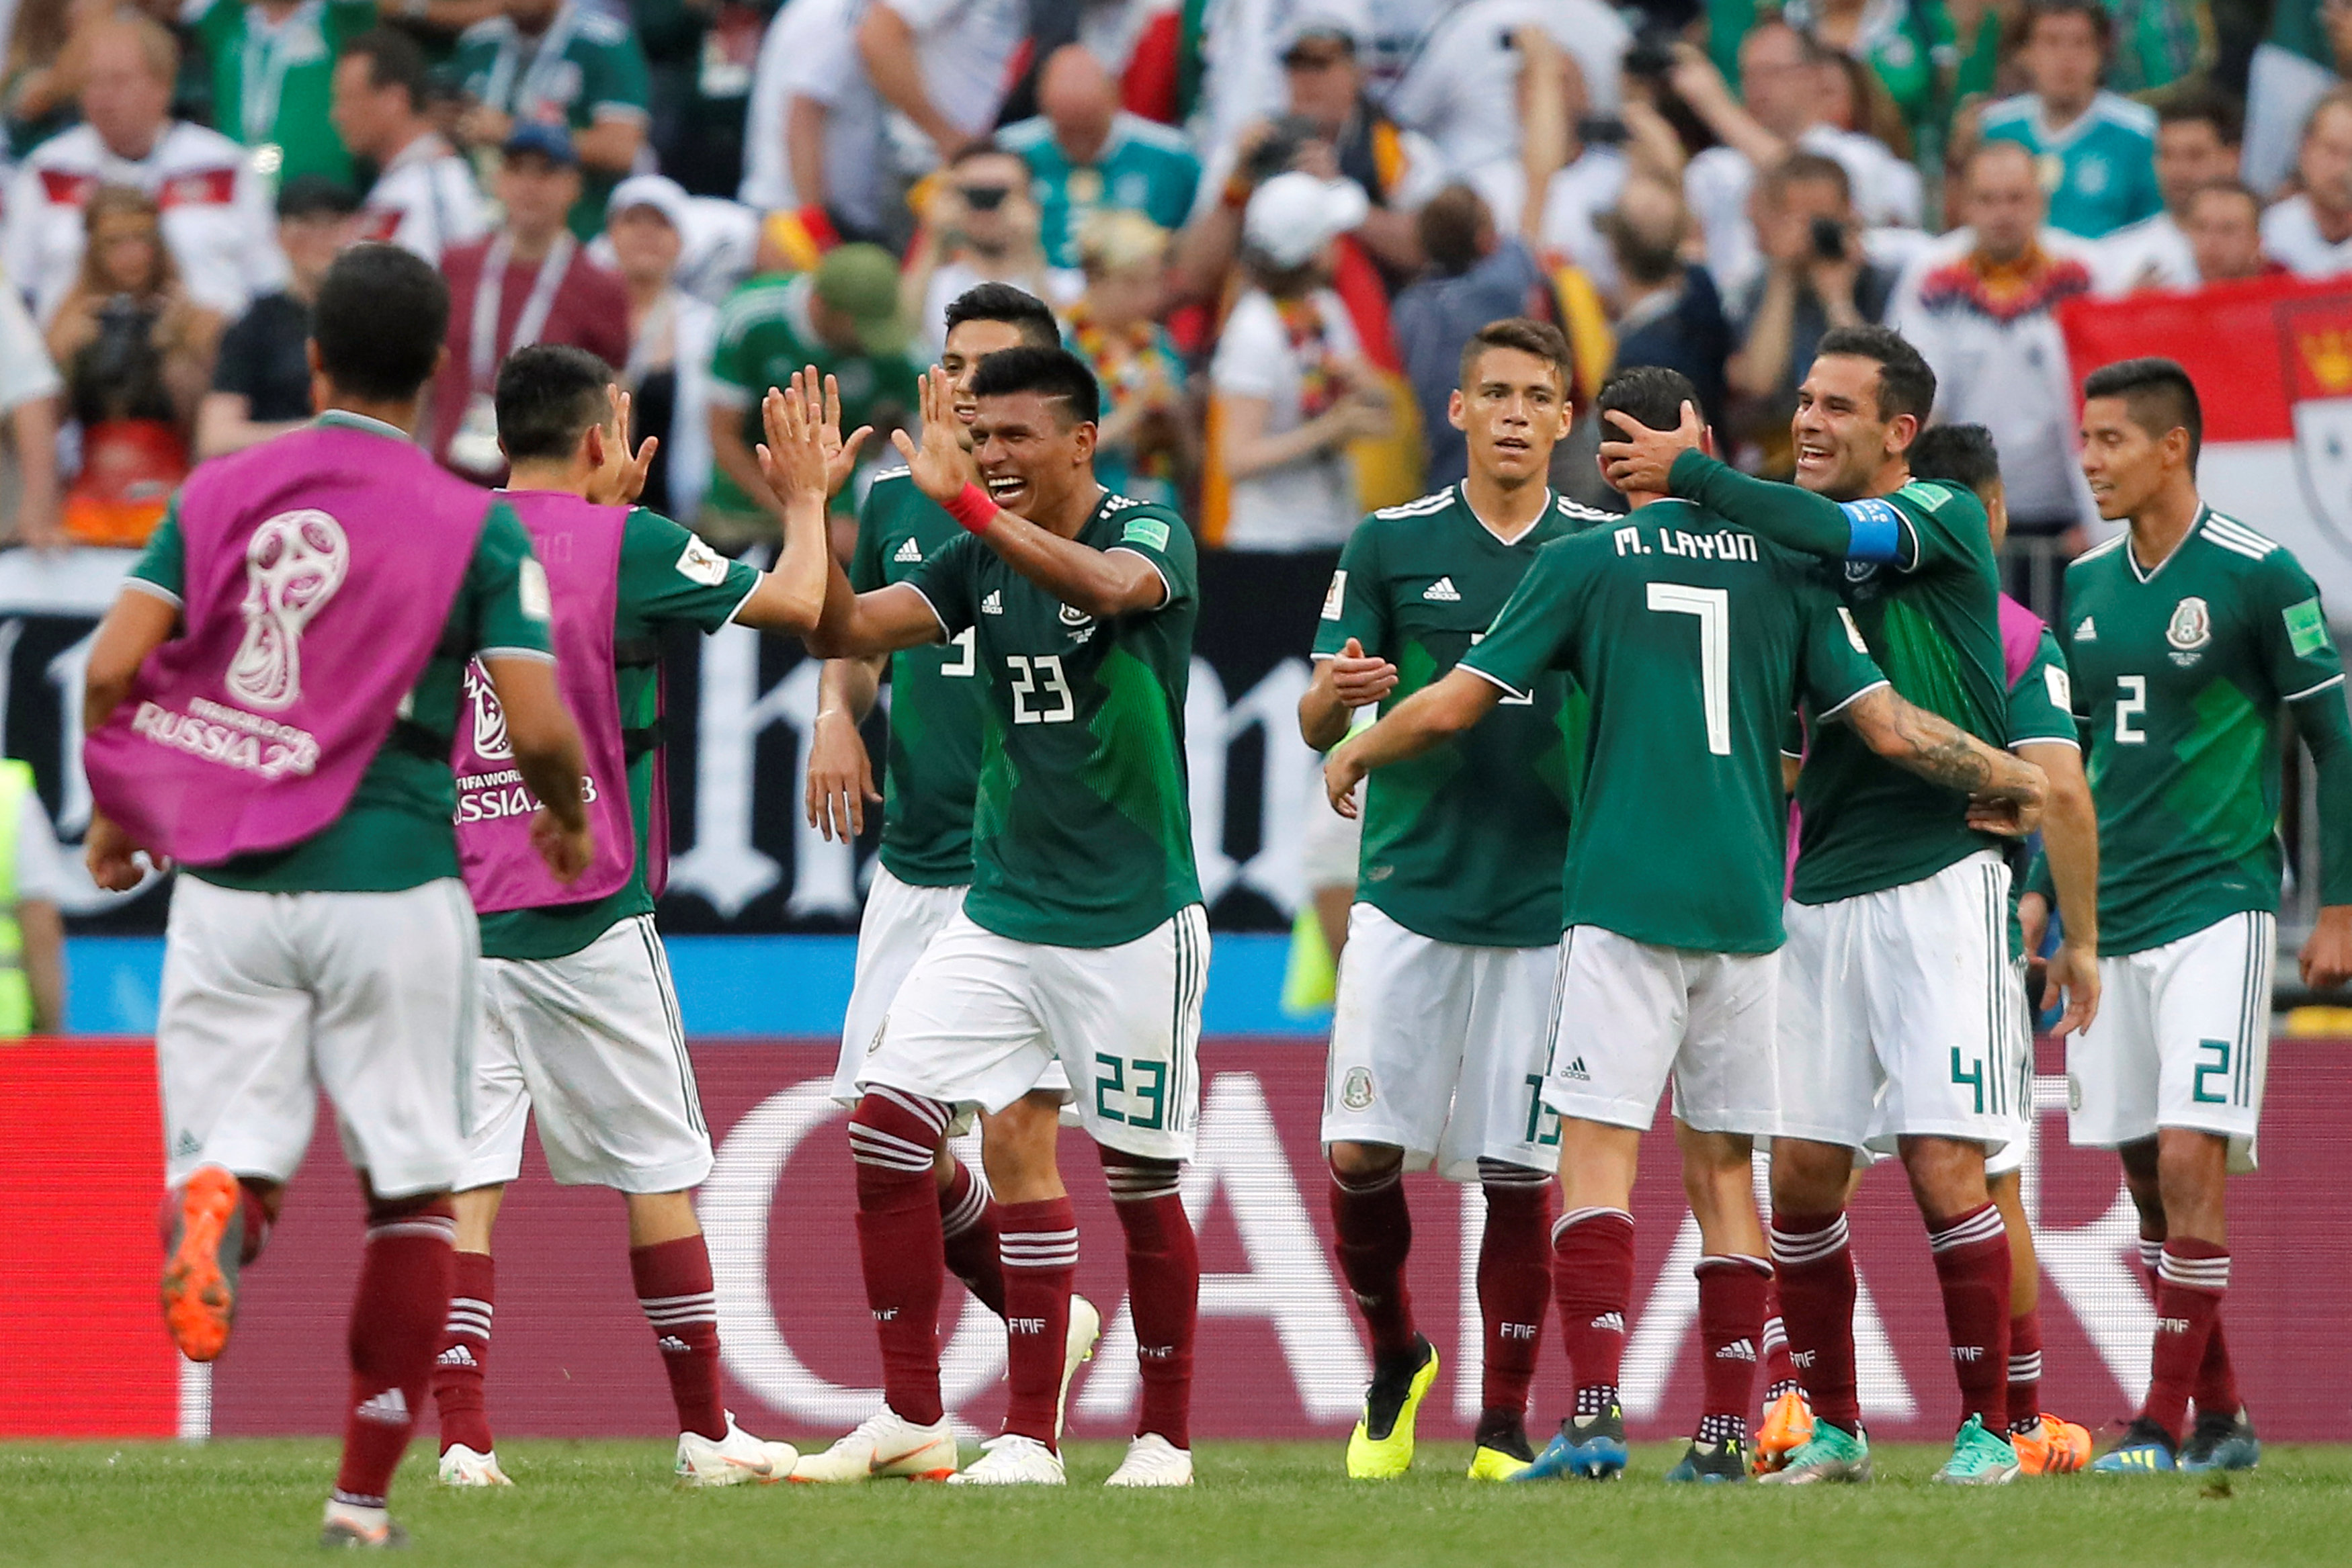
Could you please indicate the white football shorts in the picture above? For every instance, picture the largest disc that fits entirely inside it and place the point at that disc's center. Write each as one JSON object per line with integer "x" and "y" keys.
{"x": 1630, "y": 1016}
{"x": 2025, "y": 1122}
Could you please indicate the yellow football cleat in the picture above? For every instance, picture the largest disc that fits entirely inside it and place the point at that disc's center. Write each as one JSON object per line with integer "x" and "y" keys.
{"x": 1495, "y": 1465}
{"x": 2056, "y": 1448}
{"x": 1390, "y": 1406}
{"x": 1788, "y": 1426}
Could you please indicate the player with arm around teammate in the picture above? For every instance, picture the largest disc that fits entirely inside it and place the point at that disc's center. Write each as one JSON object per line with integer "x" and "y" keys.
{"x": 1437, "y": 1040}
{"x": 1691, "y": 640}
{"x": 580, "y": 1020}
{"x": 269, "y": 704}
{"x": 1082, "y": 938}
{"x": 2194, "y": 643}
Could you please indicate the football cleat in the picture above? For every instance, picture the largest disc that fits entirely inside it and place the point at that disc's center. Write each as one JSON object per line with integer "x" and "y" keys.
{"x": 1592, "y": 1448}
{"x": 2221, "y": 1442}
{"x": 883, "y": 1447}
{"x": 1013, "y": 1460}
{"x": 1712, "y": 1462}
{"x": 1077, "y": 1349}
{"x": 2054, "y": 1448}
{"x": 1788, "y": 1426}
{"x": 200, "y": 1276}
{"x": 2143, "y": 1450}
{"x": 351, "y": 1527}
{"x": 461, "y": 1467}
{"x": 1831, "y": 1454}
{"x": 732, "y": 1459}
{"x": 1380, "y": 1448}
{"x": 1153, "y": 1461}
{"x": 1501, "y": 1448}
{"x": 1979, "y": 1457}
{"x": 1491, "y": 1464}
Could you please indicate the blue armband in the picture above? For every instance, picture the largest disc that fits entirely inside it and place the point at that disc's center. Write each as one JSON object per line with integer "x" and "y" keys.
{"x": 1874, "y": 530}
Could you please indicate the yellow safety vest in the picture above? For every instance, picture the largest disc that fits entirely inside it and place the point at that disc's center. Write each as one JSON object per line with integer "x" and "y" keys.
{"x": 16, "y": 992}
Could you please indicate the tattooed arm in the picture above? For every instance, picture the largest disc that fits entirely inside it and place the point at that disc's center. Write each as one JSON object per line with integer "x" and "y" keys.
{"x": 2005, "y": 791}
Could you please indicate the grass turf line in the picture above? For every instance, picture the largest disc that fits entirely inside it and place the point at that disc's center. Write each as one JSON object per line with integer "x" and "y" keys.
{"x": 255, "y": 1502}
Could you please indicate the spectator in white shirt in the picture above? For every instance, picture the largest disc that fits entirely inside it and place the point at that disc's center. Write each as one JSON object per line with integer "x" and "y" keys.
{"x": 29, "y": 388}
{"x": 943, "y": 67}
{"x": 423, "y": 199}
{"x": 671, "y": 334}
{"x": 1453, "y": 90}
{"x": 982, "y": 227}
{"x": 2311, "y": 232}
{"x": 1289, "y": 386}
{"x": 2197, "y": 140}
{"x": 813, "y": 140}
{"x": 2224, "y": 226}
{"x": 216, "y": 218}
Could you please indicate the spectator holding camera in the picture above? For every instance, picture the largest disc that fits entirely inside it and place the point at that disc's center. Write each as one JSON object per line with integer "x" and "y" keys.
{"x": 1148, "y": 443}
{"x": 980, "y": 226}
{"x": 1816, "y": 276}
{"x": 137, "y": 354}
{"x": 261, "y": 383}
{"x": 1289, "y": 388}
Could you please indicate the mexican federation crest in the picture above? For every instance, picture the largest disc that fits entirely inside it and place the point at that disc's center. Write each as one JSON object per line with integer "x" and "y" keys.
{"x": 2191, "y": 626}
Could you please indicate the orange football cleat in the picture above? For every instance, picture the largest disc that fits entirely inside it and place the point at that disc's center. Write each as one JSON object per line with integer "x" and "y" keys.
{"x": 200, "y": 1280}
{"x": 1788, "y": 1426}
{"x": 2055, "y": 1447}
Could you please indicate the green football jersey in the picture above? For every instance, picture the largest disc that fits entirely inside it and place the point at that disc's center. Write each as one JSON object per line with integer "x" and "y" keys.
{"x": 1081, "y": 832}
{"x": 2182, "y": 676}
{"x": 936, "y": 707}
{"x": 1692, "y": 640}
{"x": 2040, "y": 713}
{"x": 1462, "y": 843}
{"x": 1917, "y": 568}
{"x": 585, "y": 67}
{"x": 666, "y": 577}
{"x": 271, "y": 85}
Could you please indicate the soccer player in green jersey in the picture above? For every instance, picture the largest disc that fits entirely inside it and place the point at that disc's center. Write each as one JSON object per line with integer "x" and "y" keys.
{"x": 1896, "y": 979}
{"x": 1438, "y": 1038}
{"x": 2194, "y": 640}
{"x": 1692, "y": 640}
{"x": 581, "y": 1028}
{"x": 929, "y": 774}
{"x": 1082, "y": 938}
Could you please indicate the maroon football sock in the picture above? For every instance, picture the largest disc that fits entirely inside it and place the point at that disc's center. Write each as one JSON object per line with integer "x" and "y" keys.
{"x": 1778, "y": 1376}
{"x": 893, "y": 1138}
{"x": 1163, "y": 1288}
{"x": 2190, "y": 1283}
{"x": 463, "y": 1360}
{"x": 1814, "y": 1270}
{"x": 1971, "y": 1254}
{"x": 1514, "y": 1282}
{"x": 1040, "y": 1243}
{"x": 1592, "y": 1281}
{"x": 968, "y": 1229}
{"x": 1732, "y": 1291}
{"x": 2025, "y": 1370}
{"x": 402, "y": 1302}
{"x": 1375, "y": 1237}
{"x": 676, "y": 1294}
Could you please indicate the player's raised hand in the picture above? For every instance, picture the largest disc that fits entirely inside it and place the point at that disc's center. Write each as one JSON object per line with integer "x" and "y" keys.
{"x": 2327, "y": 959}
{"x": 1342, "y": 773}
{"x": 1638, "y": 459}
{"x": 622, "y": 485}
{"x": 794, "y": 460}
{"x": 566, "y": 851}
{"x": 2074, "y": 970}
{"x": 1358, "y": 677}
{"x": 940, "y": 467}
{"x": 840, "y": 456}
{"x": 114, "y": 860}
{"x": 840, "y": 777}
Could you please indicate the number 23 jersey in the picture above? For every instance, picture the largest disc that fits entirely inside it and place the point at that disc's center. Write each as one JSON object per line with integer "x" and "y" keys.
{"x": 1082, "y": 833}
{"x": 2180, "y": 675}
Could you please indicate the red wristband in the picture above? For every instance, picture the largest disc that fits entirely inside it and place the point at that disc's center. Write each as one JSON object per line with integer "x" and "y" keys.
{"x": 972, "y": 509}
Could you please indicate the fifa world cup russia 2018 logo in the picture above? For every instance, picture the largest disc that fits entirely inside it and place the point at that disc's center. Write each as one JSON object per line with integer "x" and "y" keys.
{"x": 489, "y": 726}
{"x": 293, "y": 565}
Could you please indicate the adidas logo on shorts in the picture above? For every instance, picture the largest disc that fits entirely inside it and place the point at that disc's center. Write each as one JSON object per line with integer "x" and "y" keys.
{"x": 184, "y": 1145}
{"x": 909, "y": 551}
{"x": 1575, "y": 1070}
{"x": 1443, "y": 591}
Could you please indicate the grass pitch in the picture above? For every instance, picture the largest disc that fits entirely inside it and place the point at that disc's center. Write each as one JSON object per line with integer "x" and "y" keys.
{"x": 254, "y": 1503}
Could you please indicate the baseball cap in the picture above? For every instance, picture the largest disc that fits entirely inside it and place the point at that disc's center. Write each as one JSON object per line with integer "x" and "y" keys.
{"x": 552, "y": 142}
{"x": 1321, "y": 22}
{"x": 861, "y": 281}
{"x": 316, "y": 196}
{"x": 659, "y": 192}
{"x": 1294, "y": 215}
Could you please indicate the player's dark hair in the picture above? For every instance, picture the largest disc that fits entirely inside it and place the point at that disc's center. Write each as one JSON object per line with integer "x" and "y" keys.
{"x": 1650, "y": 394}
{"x": 1054, "y": 372}
{"x": 1905, "y": 384}
{"x": 394, "y": 59}
{"x": 2156, "y": 393}
{"x": 1801, "y": 168}
{"x": 1540, "y": 338}
{"x": 546, "y": 396}
{"x": 2205, "y": 106}
{"x": 2091, "y": 11}
{"x": 1014, "y": 306}
{"x": 379, "y": 319}
{"x": 1963, "y": 455}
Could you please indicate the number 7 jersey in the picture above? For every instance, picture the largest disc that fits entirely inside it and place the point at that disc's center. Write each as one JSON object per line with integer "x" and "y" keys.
{"x": 2181, "y": 677}
{"x": 1082, "y": 832}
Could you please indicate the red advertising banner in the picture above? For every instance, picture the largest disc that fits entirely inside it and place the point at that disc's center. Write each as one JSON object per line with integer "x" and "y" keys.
{"x": 1279, "y": 1349}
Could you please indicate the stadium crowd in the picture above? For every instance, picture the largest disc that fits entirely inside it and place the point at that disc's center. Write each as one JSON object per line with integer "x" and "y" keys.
{"x": 1269, "y": 224}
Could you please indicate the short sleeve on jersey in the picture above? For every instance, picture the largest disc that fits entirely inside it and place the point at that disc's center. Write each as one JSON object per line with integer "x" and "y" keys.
{"x": 1838, "y": 668}
{"x": 162, "y": 566}
{"x": 1945, "y": 524}
{"x": 945, "y": 583}
{"x": 2299, "y": 652}
{"x": 1531, "y": 633}
{"x": 1357, "y": 603}
{"x": 2041, "y": 701}
{"x": 506, "y": 588}
{"x": 1162, "y": 538}
{"x": 669, "y": 574}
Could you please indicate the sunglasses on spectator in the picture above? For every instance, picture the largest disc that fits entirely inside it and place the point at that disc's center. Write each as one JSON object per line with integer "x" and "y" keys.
{"x": 983, "y": 198}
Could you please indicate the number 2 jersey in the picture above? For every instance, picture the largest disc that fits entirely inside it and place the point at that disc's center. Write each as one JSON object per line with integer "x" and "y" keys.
{"x": 1082, "y": 832}
{"x": 2183, "y": 677}
{"x": 1692, "y": 640}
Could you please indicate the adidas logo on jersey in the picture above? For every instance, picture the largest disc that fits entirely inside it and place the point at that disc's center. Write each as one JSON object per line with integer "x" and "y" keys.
{"x": 456, "y": 1355}
{"x": 909, "y": 551}
{"x": 994, "y": 604}
{"x": 1576, "y": 1070}
{"x": 1738, "y": 1350}
{"x": 1443, "y": 591}
{"x": 387, "y": 1407}
{"x": 2088, "y": 631}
